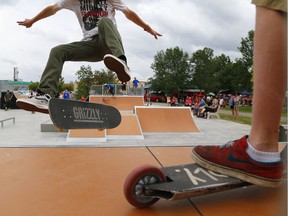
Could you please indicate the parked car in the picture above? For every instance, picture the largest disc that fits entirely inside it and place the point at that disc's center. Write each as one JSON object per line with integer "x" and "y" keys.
{"x": 156, "y": 97}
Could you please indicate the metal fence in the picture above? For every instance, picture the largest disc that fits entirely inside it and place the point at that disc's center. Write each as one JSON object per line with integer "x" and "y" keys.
{"x": 118, "y": 90}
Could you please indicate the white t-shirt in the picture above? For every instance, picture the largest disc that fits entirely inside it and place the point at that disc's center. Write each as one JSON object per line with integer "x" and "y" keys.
{"x": 89, "y": 12}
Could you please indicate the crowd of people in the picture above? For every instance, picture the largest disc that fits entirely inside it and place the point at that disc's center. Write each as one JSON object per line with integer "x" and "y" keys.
{"x": 201, "y": 104}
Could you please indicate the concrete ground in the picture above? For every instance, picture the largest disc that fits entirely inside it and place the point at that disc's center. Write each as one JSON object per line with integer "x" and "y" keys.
{"x": 42, "y": 174}
{"x": 26, "y": 132}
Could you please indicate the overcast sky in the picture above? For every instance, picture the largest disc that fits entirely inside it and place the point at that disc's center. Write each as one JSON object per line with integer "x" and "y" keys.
{"x": 188, "y": 24}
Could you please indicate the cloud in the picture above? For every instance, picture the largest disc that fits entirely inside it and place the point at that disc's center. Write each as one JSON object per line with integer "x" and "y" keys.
{"x": 190, "y": 25}
{"x": 8, "y": 3}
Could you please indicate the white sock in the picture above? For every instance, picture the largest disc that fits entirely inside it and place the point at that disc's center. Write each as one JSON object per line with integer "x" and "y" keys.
{"x": 260, "y": 156}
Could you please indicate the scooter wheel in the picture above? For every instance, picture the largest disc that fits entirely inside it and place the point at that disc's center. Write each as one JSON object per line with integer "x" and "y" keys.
{"x": 134, "y": 187}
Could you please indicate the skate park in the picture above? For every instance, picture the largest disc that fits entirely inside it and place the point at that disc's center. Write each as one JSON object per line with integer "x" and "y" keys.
{"x": 82, "y": 172}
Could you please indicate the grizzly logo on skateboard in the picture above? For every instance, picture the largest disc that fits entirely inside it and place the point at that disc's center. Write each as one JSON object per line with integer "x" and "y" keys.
{"x": 73, "y": 114}
{"x": 86, "y": 114}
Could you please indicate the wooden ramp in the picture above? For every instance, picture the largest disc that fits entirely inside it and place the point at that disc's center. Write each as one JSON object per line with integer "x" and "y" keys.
{"x": 122, "y": 103}
{"x": 89, "y": 182}
{"x": 166, "y": 120}
{"x": 137, "y": 120}
{"x": 129, "y": 128}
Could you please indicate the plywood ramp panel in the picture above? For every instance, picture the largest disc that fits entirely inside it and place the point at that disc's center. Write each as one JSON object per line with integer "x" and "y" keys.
{"x": 166, "y": 120}
{"x": 74, "y": 182}
{"x": 120, "y": 102}
{"x": 129, "y": 128}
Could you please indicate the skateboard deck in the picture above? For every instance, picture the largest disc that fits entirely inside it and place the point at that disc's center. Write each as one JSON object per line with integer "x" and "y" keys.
{"x": 72, "y": 114}
{"x": 147, "y": 184}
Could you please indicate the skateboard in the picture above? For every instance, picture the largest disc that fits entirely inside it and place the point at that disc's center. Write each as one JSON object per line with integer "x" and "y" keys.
{"x": 72, "y": 114}
{"x": 145, "y": 185}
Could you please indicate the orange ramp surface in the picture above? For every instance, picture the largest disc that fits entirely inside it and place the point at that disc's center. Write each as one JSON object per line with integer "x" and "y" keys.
{"x": 129, "y": 128}
{"x": 89, "y": 181}
{"x": 73, "y": 182}
{"x": 146, "y": 120}
{"x": 122, "y": 103}
{"x": 166, "y": 120}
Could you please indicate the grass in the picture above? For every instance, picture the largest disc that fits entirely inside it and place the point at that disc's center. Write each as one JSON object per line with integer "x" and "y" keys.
{"x": 241, "y": 119}
{"x": 248, "y": 109}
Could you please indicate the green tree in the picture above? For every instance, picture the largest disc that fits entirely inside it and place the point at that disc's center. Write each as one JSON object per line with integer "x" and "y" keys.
{"x": 60, "y": 86}
{"x": 203, "y": 68}
{"x": 171, "y": 69}
{"x": 246, "y": 73}
{"x": 102, "y": 77}
{"x": 33, "y": 86}
{"x": 175, "y": 71}
{"x": 223, "y": 74}
{"x": 246, "y": 49}
{"x": 86, "y": 78}
{"x": 68, "y": 87}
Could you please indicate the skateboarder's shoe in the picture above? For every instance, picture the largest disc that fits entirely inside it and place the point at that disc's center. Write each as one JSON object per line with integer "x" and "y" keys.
{"x": 118, "y": 66}
{"x": 232, "y": 160}
{"x": 35, "y": 104}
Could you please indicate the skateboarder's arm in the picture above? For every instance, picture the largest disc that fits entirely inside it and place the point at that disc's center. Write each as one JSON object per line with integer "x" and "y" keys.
{"x": 131, "y": 15}
{"x": 46, "y": 12}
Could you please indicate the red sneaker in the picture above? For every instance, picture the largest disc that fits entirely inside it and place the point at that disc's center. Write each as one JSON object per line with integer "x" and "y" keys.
{"x": 232, "y": 160}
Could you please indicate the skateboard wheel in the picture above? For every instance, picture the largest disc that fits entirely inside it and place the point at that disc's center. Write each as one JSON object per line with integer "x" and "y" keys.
{"x": 61, "y": 129}
{"x": 134, "y": 187}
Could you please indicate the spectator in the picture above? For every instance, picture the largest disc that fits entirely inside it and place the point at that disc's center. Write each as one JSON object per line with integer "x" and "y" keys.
{"x": 123, "y": 88}
{"x": 110, "y": 89}
{"x": 188, "y": 101}
{"x": 233, "y": 107}
{"x": 66, "y": 95}
{"x": 135, "y": 85}
{"x": 199, "y": 105}
{"x": 7, "y": 100}
{"x": 213, "y": 108}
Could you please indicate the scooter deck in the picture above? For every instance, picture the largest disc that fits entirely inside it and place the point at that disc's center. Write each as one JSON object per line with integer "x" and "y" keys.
{"x": 146, "y": 184}
{"x": 191, "y": 180}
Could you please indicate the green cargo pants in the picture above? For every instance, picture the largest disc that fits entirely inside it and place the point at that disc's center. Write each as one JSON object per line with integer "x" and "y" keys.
{"x": 108, "y": 41}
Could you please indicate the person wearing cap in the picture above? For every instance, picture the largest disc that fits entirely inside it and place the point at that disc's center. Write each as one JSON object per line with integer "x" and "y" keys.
{"x": 110, "y": 88}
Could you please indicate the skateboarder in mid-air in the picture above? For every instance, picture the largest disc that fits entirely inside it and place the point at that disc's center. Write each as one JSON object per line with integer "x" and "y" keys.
{"x": 101, "y": 41}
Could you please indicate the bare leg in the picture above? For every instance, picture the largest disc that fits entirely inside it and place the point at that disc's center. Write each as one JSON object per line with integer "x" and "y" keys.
{"x": 236, "y": 110}
{"x": 269, "y": 86}
{"x": 269, "y": 78}
{"x": 233, "y": 113}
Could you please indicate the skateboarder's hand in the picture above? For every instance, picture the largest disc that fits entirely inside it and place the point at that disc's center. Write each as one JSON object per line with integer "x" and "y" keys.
{"x": 151, "y": 31}
{"x": 27, "y": 23}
